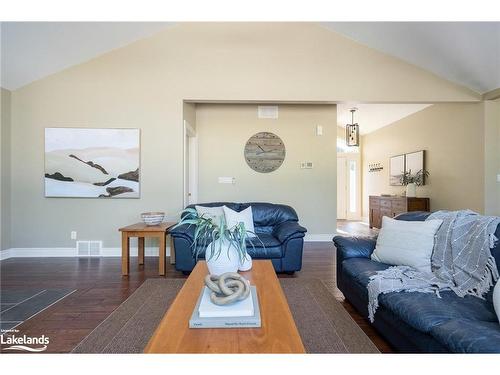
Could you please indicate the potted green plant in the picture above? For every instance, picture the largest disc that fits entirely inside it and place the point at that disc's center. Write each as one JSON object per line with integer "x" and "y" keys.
{"x": 411, "y": 181}
{"x": 225, "y": 247}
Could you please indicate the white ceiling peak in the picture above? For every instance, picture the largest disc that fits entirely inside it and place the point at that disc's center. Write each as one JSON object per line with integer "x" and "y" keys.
{"x": 467, "y": 53}
{"x": 371, "y": 117}
{"x": 34, "y": 50}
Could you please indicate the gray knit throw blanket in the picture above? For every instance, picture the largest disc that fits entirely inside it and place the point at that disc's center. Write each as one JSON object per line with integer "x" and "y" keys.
{"x": 461, "y": 261}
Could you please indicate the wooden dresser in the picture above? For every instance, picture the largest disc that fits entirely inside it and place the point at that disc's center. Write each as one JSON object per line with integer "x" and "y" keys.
{"x": 392, "y": 206}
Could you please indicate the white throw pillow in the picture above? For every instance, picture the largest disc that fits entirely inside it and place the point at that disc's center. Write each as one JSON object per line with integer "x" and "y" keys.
{"x": 406, "y": 243}
{"x": 496, "y": 299}
{"x": 214, "y": 213}
{"x": 245, "y": 217}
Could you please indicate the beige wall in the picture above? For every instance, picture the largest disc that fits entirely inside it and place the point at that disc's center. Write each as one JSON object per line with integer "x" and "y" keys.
{"x": 492, "y": 156}
{"x": 452, "y": 135}
{"x": 143, "y": 85}
{"x": 223, "y": 131}
{"x": 5, "y": 208}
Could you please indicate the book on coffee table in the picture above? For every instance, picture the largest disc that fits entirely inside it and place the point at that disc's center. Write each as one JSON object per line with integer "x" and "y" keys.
{"x": 241, "y": 314}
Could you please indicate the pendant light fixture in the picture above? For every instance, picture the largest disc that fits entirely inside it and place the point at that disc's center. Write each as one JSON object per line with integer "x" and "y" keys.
{"x": 352, "y": 131}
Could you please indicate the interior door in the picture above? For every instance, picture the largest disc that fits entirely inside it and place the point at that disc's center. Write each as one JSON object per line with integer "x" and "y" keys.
{"x": 341, "y": 188}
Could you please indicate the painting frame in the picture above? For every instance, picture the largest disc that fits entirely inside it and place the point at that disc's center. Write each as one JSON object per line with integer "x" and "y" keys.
{"x": 415, "y": 162}
{"x": 397, "y": 164}
{"x": 114, "y": 185}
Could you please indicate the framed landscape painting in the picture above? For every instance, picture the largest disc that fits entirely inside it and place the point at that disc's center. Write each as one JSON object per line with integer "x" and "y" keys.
{"x": 414, "y": 163}
{"x": 396, "y": 170}
{"x": 92, "y": 163}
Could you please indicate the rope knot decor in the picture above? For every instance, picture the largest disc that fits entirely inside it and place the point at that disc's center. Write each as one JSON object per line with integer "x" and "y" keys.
{"x": 227, "y": 288}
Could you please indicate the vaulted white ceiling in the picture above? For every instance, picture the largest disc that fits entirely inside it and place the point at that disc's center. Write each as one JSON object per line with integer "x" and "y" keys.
{"x": 467, "y": 53}
{"x": 33, "y": 50}
{"x": 371, "y": 117}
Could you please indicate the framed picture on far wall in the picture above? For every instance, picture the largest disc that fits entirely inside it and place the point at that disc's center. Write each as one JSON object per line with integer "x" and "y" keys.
{"x": 396, "y": 170}
{"x": 92, "y": 163}
{"x": 414, "y": 162}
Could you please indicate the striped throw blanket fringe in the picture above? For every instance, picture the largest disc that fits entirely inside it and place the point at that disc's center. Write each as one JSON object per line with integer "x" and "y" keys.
{"x": 461, "y": 261}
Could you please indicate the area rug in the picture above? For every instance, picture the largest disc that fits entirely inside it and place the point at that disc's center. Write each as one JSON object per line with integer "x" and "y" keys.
{"x": 323, "y": 324}
{"x": 19, "y": 305}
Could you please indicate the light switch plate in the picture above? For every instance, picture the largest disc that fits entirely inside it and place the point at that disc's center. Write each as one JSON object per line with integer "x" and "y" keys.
{"x": 498, "y": 177}
{"x": 226, "y": 180}
{"x": 319, "y": 130}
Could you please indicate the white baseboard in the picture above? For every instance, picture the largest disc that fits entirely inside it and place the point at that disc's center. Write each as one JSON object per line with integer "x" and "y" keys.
{"x": 319, "y": 237}
{"x": 47, "y": 252}
{"x": 5, "y": 254}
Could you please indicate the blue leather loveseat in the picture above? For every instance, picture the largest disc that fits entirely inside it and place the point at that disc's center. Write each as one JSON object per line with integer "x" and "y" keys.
{"x": 418, "y": 322}
{"x": 280, "y": 237}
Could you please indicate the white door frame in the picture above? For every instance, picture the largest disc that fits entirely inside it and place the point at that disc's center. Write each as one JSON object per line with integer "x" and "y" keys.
{"x": 357, "y": 157}
{"x": 190, "y": 165}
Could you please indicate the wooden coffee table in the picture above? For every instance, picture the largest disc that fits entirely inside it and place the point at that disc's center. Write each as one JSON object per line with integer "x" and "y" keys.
{"x": 278, "y": 333}
{"x": 141, "y": 231}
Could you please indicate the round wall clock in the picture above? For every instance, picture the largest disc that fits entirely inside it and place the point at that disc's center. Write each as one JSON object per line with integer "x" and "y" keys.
{"x": 265, "y": 152}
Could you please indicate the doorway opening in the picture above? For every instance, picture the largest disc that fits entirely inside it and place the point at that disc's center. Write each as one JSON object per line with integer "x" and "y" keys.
{"x": 348, "y": 181}
{"x": 190, "y": 165}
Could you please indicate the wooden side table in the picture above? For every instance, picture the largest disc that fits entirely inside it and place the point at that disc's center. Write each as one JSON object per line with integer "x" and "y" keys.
{"x": 141, "y": 231}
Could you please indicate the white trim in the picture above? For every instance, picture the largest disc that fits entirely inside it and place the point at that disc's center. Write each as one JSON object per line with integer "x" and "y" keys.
{"x": 48, "y": 252}
{"x": 326, "y": 237}
{"x": 5, "y": 254}
{"x": 190, "y": 172}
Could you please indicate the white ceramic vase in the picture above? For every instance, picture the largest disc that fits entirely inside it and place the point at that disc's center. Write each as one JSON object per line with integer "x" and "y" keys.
{"x": 411, "y": 190}
{"x": 227, "y": 261}
{"x": 246, "y": 264}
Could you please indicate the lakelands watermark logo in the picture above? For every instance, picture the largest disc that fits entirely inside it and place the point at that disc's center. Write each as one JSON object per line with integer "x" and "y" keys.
{"x": 23, "y": 343}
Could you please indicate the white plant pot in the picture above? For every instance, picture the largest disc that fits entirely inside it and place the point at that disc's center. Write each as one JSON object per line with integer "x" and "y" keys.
{"x": 227, "y": 261}
{"x": 411, "y": 190}
{"x": 246, "y": 264}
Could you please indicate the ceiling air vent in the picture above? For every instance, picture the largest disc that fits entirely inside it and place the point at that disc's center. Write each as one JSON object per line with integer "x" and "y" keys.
{"x": 267, "y": 111}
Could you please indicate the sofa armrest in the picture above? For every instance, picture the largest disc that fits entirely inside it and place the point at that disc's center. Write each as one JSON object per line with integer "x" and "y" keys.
{"x": 288, "y": 229}
{"x": 183, "y": 231}
{"x": 354, "y": 247}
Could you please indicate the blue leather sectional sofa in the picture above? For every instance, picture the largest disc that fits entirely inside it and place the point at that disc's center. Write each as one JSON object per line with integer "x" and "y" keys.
{"x": 276, "y": 226}
{"x": 418, "y": 322}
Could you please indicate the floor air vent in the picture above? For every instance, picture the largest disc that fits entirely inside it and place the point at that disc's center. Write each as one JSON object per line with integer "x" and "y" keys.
{"x": 88, "y": 248}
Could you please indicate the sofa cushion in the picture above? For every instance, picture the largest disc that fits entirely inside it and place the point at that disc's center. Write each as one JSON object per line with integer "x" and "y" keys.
{"x": 272, "y": 249}
{"x": 406, "y": 243}
{"x": 233, "y": 218}
{"x": 360, "y": 269}
{"x": 424, "y": 311}
{"x": 263, "y": 240}
{"x": 213, "y": 213}
{"x": 496, "y": 299}
{"x": 268, "y": 214}
{"x": 421, "y": 216}
{"x": 468, "y": 336}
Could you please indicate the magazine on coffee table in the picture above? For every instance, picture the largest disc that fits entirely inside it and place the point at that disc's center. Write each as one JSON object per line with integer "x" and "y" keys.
{"x": 242, "y": 314}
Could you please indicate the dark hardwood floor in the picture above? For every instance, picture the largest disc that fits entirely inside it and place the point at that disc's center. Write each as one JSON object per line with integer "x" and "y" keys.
{"x": 101, "y": 289}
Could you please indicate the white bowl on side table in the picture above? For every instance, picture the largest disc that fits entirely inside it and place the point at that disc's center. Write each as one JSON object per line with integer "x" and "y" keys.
{"x": 152, "y": 218}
